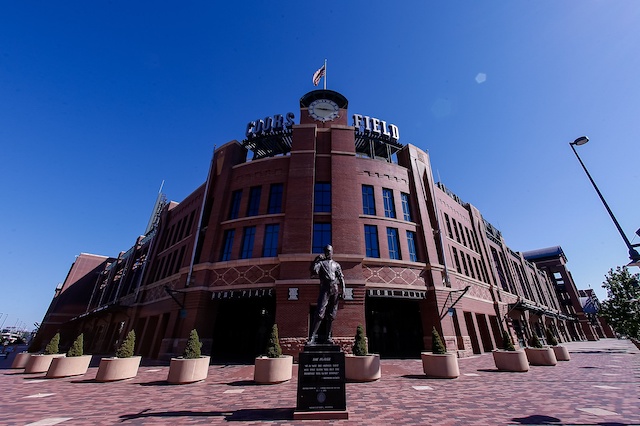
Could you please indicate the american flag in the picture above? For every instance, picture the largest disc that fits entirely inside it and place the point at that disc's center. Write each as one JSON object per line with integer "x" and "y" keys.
{"x": 318, "y": 75}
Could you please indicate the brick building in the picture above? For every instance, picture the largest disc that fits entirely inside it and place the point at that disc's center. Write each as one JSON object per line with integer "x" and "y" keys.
{"x": 233, "y": 257}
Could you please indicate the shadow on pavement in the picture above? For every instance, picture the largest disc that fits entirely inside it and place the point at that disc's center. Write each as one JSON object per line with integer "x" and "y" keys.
{"x": 265, "y": 414}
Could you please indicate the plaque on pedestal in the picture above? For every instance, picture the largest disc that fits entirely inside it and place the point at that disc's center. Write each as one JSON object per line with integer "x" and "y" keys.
{"x": 321, "y": 383}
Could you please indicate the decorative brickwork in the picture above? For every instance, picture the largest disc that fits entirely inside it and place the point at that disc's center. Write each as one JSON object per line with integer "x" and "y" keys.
{"x": 250, "y": 274}
{"x": 392, "y": 275}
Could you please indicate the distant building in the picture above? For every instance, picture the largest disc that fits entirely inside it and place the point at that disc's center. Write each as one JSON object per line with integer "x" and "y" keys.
{"x": 233, "y": 257}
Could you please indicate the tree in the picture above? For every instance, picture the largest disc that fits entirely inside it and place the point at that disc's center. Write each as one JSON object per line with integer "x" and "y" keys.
{"x": 437, "y": 346}
{"x": 77, "y": 348}
{"x": 360, "y": 343}
{"x": 192, "y": 350}
{"x": 53, "y": 346}
{"x": 273, "y": 347}
{"x": 622, "y": 308}
{"x": 126, "y": 349}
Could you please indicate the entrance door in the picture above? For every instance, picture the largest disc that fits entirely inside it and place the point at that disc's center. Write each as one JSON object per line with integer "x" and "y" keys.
{"x": 242, "y": 328}
{"x": 394, "y": 327}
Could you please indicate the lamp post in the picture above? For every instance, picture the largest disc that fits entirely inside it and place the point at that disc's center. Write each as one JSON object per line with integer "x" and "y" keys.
{"x": 633, "y": 253}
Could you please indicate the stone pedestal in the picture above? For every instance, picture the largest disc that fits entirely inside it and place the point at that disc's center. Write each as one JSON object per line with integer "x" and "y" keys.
{"x": 321, "y": 384}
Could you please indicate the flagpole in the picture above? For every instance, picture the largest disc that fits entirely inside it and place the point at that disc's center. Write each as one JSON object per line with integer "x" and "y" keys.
{"x": 325, "y": 74}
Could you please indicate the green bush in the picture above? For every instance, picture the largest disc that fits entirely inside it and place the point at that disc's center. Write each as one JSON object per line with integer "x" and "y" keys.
{"x": 437, "y": 346}
{"x": 76, "y": 349}
{"x": 360, "y": 343}
{"x": 551, "y": 339}
{"x": 273, "y": 347}
{"x": 534, "y": 341}
{"x": 53, "y": 345}
{"x": 192, "y": 350}
{"x": 506, "y": 340}
{"x": 126, "y": 349}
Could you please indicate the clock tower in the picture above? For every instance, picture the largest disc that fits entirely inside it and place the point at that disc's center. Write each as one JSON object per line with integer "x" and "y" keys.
{"x": 324, "y": 108}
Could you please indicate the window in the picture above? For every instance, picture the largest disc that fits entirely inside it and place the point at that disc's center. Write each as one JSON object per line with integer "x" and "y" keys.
{"x": 446, "y": 218}
{"x": 406, "y": 210}
{"x": 270, "y": 246}
{"x": 455, "y": 228}
{"x": 321, "y": 237}
{"x": 389, "y": 207}
{"x": 464, "y": 240}
{"x": 368, "y": 201}
{"x": 464, "y": 263}
{"x": 473, "y": 274}
{"x": 411, "y": 241}
{"x": 228, "y": 244}
{"x": 394, "y": 243}
{"x": 322, "y": 197}
{"x": 234, "y": 210}
{"x": 254, "y": 201}
{"x": 371, "y": 241}
{"x": 456, "y": 259}
{"x": 248, "y": 236}
{"x": 275, "y": 199}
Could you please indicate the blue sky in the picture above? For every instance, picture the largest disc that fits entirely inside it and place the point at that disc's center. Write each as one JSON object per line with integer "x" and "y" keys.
{"x": 102, "y": 101}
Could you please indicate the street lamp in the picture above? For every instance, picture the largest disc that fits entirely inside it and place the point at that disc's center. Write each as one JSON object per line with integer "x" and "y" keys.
{"x": 633, "y": 253}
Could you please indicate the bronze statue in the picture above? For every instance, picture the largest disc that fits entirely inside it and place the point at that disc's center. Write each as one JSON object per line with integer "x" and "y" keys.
{"x": 332, "y": 289}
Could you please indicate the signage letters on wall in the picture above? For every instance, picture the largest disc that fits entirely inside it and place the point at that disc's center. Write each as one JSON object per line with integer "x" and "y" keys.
{"x": 374, "y": 126}
{"x": 270, "y": 125}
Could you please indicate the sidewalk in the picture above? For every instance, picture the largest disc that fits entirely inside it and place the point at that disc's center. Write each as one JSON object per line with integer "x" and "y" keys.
{"x": 600, "y": 385}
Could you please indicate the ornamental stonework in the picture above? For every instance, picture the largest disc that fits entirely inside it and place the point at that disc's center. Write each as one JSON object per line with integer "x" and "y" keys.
{"x": 240, "y": 275}
{"x": 392, "y": 275}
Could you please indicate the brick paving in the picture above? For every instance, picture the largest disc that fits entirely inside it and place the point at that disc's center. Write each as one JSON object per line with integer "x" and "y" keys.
{"x": 599, "y": 386}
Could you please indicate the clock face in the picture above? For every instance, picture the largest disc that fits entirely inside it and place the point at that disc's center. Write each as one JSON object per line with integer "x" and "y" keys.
{"x": 324, "y": 110}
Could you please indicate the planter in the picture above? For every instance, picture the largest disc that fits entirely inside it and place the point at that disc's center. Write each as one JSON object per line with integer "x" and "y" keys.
{"x": 561, "y": 353}
{"x": 362, "y": 368}
{"x": 273, "y": 370}
{"x": 183, "y": 370}
{"x": 441, "y": 366}
{"x": 511, "y": 360}
{"x": 40, "y": 363}
{"x": 21, "y": 359}
{"x": 541, "y": 356}
{"x": 68, "y": 366}
{"x": 112, "y": 369}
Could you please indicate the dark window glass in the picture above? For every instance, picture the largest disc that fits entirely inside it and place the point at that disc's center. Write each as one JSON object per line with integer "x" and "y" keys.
{"x": 248, "y": 236}
{"x": 368, "y": 201}
{"x": 411, "y": 241}
{"x": 321, "y": 237}
{"x": 371, "y": 240}
{"x": 394, "y": 243}
{"x": 456, "y": 259}
{"x": 254, "y": 201}
{"x": 322, "y": 198}
{"x": 446, "y": 218}
{"x": 406, "y": 211}
{"x": 270, "y": 246}
{"x": 228, "y": 244}
{"x": 275, "y": 199}
{"x": 389, "y": 206}
{"x": 234, "y": 210}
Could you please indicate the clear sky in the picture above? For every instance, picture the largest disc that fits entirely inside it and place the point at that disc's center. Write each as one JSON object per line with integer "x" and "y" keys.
{"x": 100, "y": 102}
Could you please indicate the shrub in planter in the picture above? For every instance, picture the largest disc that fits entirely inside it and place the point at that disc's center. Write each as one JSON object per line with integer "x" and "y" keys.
{"x": 538, "y": 354}
{"x": 123, "y": 366}
{"x": 361, "y": 366}
{"x": 561, "y": 352}
{"x": 74, "y": 364}
{"x": 41, "y": 363}
{"x": 192, "y": 366}
{"x": 510, "y": 359}
{"x": 274, "y": 367}
{"x": 439, "y": 363}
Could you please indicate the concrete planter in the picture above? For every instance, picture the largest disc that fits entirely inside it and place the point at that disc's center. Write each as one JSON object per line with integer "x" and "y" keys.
{"x": 21, "y": 359}
{"x": 112, "y": 369}
{"x": 273, "y": 370}
{"x": 541, "y": 356}
{"x": 38, "y": 363}
{"x": 511, "y": 360}
{"x": 362, "y": 368}
{"x": 441, "y": 366}
{"x": 561, "y": 353}
{"x": 183, "y": 370}
{"x": 68, "y": 366}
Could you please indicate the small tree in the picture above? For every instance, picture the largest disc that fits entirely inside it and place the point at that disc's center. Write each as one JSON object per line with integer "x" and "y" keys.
{"x": 437, "y": 346}
{"x": 273, "y": 347}
{"x": 53, "y": 347}
{"x": 76, "y": 348}
{"x": 534, "y": 341}
{"x": 551, "y": 339}
{"x": 622, "y": 308}
{"x": 192, "y": 350}
{"x": 126, "y": 349}
{"x": 507, "y": 342}
{"x": 360, "y": 343}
